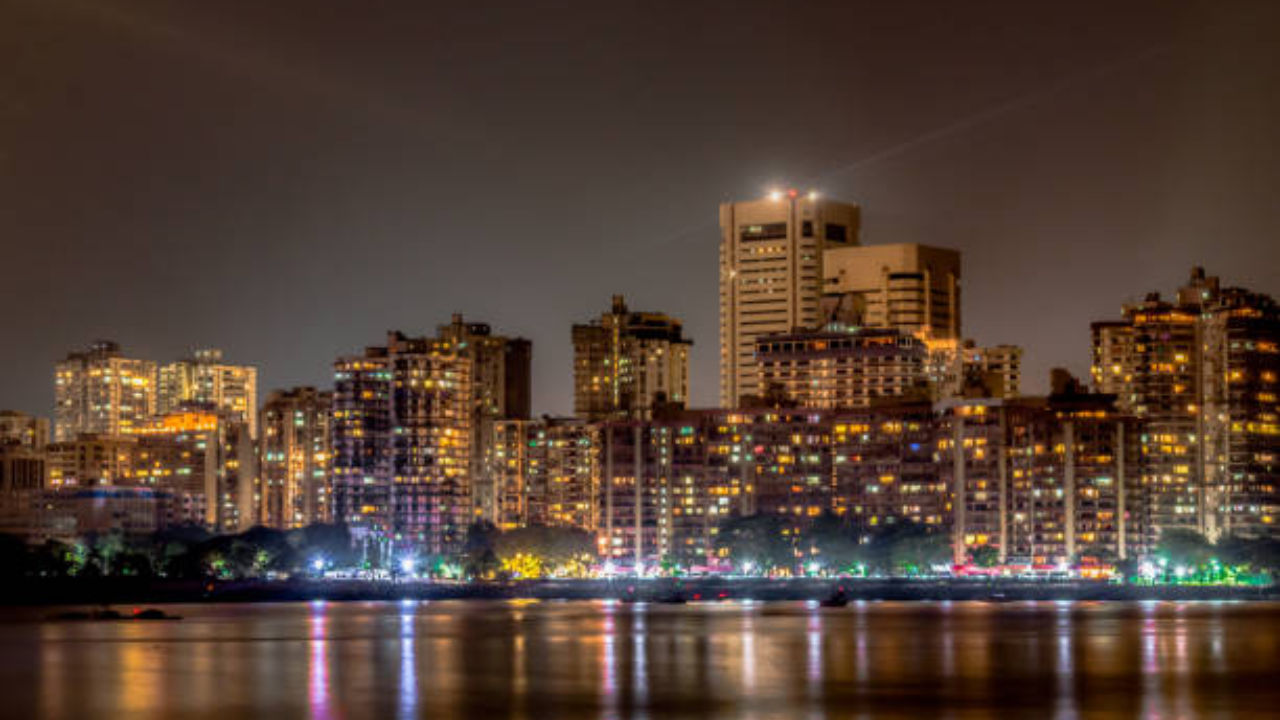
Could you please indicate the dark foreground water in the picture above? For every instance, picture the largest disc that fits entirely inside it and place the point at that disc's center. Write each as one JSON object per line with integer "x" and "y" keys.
{"x": 570, "y": 660}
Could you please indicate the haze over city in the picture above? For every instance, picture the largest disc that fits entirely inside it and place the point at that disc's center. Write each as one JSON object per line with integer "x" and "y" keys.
{"x": 288, "y": 181}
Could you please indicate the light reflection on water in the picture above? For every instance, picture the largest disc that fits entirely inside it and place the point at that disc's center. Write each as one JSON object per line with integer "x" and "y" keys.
{"x": 758, "y": 661}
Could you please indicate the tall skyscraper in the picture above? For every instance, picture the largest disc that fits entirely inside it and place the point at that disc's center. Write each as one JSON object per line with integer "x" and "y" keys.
{"x": 908, "y": 287}
{"x": 204, "y": 379}
{"x": 1203, "y": 373}
{"x": 102, "y": 392}
{"x": 772, "y": 275}
{"x": 295, "y": 448}
{"x": 627, "y": 363}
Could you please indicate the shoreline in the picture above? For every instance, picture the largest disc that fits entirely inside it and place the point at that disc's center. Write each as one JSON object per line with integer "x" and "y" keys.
{"x": 63, "y": 592}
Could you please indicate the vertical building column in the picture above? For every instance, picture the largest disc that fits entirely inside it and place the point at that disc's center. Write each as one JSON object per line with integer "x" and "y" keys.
{"x": 1002, "y": 468}
{"x": 1200, "y": 476}
{"x": 638, "y": 462}
{"x": 608, "y": 491}
{"x": 958, "y": 482}
{"x": 953, "y": 310}
{"x": 927, "y": 291}
{"x": 1069, "y": 483}
{"x": 1122, "y": 541}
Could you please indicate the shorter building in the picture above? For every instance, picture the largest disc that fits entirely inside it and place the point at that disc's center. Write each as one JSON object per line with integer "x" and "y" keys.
{"x": 841, "y": 367}
{"x": 89, "y": 459}
{"x": 22, "y": 474}
{"x": 1044, "y": 480}
{"x": 667, "y": 484}
{"x": 70, "y": 514}
{"x": 25, "y": 430}
{"x": 908, "y": 287}
{"x": 543, "y": 472}
{"x": 886, "y": 466}
{"x": 962, "y": 369}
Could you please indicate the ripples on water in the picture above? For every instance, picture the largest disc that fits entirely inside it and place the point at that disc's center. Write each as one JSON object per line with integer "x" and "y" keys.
{"x": 571, "y": 660}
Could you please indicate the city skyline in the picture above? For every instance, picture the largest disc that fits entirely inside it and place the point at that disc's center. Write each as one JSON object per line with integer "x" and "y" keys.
{"x": 1069, "y": 162}
{"x": 1031, "y": 385}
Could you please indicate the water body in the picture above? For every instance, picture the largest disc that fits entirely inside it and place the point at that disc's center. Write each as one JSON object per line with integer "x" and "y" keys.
{"x": 572, "y": 660}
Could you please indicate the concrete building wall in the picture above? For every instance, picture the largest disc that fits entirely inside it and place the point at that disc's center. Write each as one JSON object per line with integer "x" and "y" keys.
{"x": 909, "y": 287}
{"x": 772, "y": 275}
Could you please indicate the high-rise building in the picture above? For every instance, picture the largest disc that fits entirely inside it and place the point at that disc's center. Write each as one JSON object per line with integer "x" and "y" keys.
{"x": 404, "y": 424}
{"x": 294, "y": 450}
{"x": 908, "y": 287}
{"x": 1203, "y": 373}
{"x": 100, "y": 391}
{"x": 23, "y": 430}
{"x": 841, "y": 367}
{"x": 361, "y": 472}
{"x": 204, "y": 379}
{"x": 500, "y": 368}
{"x": 772, "y": 275}
{"x": 628, "y": 363}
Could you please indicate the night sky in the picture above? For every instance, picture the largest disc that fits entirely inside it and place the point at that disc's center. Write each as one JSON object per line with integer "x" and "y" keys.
{"x": 287, "y": 180}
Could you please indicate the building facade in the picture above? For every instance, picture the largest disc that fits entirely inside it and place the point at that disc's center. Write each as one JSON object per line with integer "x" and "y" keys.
{"x": 295, "y": 450}
{"x": 1201, "y": 371}
{"x": 101, "y": 392}
{"x": 403, "y": 432}
{"x": 545, "y": 473}
{"x": 772, "y": 275}
{"x": 908, "y": 287}
{"x": 205, "y": 380}
{"x": 1044, "y": 481}
{"x": 207, "y": 462}
{"x": 627, "y": 363}
{"x": 841, "y": 367}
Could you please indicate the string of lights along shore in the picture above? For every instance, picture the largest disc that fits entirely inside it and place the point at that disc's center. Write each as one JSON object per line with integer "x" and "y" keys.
{"x": 848, "y": 390}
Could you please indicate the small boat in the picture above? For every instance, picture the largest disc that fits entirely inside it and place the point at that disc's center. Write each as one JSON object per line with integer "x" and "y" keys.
{"x": 839, "y": 598}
